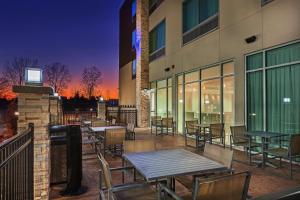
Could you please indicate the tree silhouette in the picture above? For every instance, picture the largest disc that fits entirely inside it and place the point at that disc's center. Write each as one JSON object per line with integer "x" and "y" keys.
{"x": 57, "y": 75}
{"x": 91, "y": 78}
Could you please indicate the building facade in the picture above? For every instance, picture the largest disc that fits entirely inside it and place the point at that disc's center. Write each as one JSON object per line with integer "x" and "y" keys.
{"x": 231, "y": 61}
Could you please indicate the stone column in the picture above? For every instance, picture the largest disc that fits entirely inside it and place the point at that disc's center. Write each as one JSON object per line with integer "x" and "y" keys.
{"x": 34, "y": 107}
{"x": 142, "y": 62}
{"x": 101, "y": 110}
{"x": 54, "y": 110}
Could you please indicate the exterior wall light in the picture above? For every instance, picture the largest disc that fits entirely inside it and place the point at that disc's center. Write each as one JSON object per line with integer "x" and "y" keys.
{"x": 34, "y": 76}
{"x": 101, "y": 99}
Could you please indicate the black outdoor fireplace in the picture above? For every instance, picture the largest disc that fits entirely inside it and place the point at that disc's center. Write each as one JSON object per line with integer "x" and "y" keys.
{"x": 66, "y": 158}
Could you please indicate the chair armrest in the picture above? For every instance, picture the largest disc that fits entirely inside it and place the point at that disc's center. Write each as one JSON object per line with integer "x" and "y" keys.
{"x": 129, "y": 186}
{"x": 121, "y": 168}
{"x": 164, "y": 189}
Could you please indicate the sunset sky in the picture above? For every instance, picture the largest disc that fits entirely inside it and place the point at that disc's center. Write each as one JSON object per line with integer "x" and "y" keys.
{"x": 77, "y": 33}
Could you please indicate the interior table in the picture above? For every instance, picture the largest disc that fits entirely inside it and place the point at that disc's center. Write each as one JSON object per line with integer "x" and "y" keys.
{"x": 156, "y": 165}
{"x": 103, "y": 128}
{"x": 265, "y": 136}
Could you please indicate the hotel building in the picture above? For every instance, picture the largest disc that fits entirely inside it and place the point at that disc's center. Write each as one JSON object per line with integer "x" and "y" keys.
{"x": 230, "y": 61}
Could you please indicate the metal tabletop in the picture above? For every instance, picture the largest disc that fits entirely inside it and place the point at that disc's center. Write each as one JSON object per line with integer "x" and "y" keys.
{"x": 169, "y": 163}
{"x": 87, "y": 122}
{"x": 203, "y": 125}
{"x": 103, "y": 128}
{"x": 265, "y": 134}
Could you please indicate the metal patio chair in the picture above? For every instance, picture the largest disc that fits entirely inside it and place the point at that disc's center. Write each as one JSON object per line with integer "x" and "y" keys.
{"x": 238, "y": 138}
{"x": 193, "y": 131}
{"x": 290, "y": 153}
{"x": 133, "y": 191}
{"x": 216, "y": 131}
{"x": 130, "y": 134}
{"x": 155, "y": 122}
{"x": 166, "y": 125}
{"x": 230, "y": 187}
{"x": 113, "y": 141}
{"x": 216, "y": 153}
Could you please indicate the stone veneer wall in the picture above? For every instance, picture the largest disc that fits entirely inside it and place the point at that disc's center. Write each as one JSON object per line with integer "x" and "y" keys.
{"x": 34, "y": 107}
{"x": 142, "y": 59}
{"x": 101, "y": 110}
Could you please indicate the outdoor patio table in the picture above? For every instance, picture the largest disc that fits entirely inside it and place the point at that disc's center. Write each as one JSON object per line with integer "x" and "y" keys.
{"x": 103, "y": 128}
{"x": 265, "y": 136}
{"x": 156, "y": 165}
{"x": 86, "y": 123}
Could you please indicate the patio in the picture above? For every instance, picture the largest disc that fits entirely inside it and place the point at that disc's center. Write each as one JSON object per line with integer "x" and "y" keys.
{"x": 263, "y": 181}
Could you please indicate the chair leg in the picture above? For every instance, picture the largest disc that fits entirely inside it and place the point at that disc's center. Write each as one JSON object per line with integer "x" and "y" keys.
{"x": 250, "y": 156}
{"x": 291, "y": 168}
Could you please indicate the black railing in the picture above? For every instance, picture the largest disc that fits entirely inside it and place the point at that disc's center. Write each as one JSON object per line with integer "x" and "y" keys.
{"x": 123, "y": 115}
{"x": 16, "y": 166}
{"x": 75, "y": 117}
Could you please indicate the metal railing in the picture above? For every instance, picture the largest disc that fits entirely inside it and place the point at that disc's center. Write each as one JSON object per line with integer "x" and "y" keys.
{"x": 16, "y": 166}
{"x": 123, "y": 115}
{"x": 75, "y": 117}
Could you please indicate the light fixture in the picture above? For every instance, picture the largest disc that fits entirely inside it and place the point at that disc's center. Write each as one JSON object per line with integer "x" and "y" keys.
{"x": 55, "y": 94}
{"x": 101, "y": 99}
{"x": 34, "y": 76}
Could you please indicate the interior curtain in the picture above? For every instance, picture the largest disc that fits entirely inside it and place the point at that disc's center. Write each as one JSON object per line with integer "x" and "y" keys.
{"x": 255, "y": 101}
{"x": 207, "y": 9}
{"x": 190, "y": 14}
{"x": 255, "y": 61}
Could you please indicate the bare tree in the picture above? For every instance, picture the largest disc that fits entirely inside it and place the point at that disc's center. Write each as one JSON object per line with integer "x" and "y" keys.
{"x": 3, "y": 87}
{"x": 14, "y": 71}
{"x": 91, "y": 78}
{"x": 57, "y": 75}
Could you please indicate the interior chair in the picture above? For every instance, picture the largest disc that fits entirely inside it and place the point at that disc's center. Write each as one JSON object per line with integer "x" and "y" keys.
{"x": 238, "y": 138}
{"x": 213, "y": 152}
{"x": 229, "y": 187}
{"x": 290, "y": 153}
{"x": 193, "y": 131}
{"x": 133, "y": 191}
{"x": 155, "y": 122}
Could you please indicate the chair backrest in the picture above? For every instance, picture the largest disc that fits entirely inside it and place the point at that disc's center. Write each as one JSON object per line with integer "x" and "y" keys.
{"x": 155, "y": 120}
{"x": 238, "y": 132}
{"x": 113, "y": 121}
{"x": 105, "y": 171}
{"x": 115, "y": 136}
{"x": 136, "y": 146}
{"x": 217, "y": 129}
{"x": 167, "y": 122}
{"x": 191, "y": 127}
{"x": 231, "y": 187}
{"x": 99, "y": 123}
{"x": 295, "y": 145}
{"x": 219, "y": 154}
{"x": 130, "y": 127}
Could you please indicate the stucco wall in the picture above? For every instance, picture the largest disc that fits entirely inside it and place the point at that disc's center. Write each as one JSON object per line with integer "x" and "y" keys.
{"x": 126, "y": 86}
{"x": 275, "y": 23}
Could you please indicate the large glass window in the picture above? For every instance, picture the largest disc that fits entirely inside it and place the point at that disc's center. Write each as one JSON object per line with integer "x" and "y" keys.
{"x": 281, "y": 72}
{"x": 157, "y": 37}
{"x": 133, "y": 8}
{"x": 163, "y": 98}
{"x": 203, "y": 98}
{"x": 133, "y": 68}
{"x": 211, "y": 101}
{"x": 197, "y": 11}
{"x": 133, "y": 39}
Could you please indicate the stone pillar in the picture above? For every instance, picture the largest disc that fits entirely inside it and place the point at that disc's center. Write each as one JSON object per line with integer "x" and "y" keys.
{"x": 34, "y": 107}
{"x": 54, "y": 110}
{"x": 101, "y": 110}
{"x": 142, "y": 62}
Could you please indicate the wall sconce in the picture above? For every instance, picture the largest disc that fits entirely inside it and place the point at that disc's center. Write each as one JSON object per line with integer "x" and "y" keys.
{"x": 34, "y": 76}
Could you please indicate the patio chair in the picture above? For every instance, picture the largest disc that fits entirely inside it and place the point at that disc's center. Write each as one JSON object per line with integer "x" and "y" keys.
{"x": 219, "y": 154}
{"x": 193, "y": 131}
{"x": 99, "y": 123}
{"x": 113, "y": 140}
{"x": 230, "y": 187}
{"x": 290, "y": 153}
{"x": 137, "y": 146}
{"x": 130, "y": 134}
{"x": 216, "y": 131}
{"x": 238, "y": 138}
{"x": 133, "y": 191}
{"x": 166, "y": 124}
{"x": 155, "y": 122}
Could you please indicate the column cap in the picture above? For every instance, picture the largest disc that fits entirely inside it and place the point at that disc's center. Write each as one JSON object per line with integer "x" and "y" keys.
{"x": 32, "y": 89}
